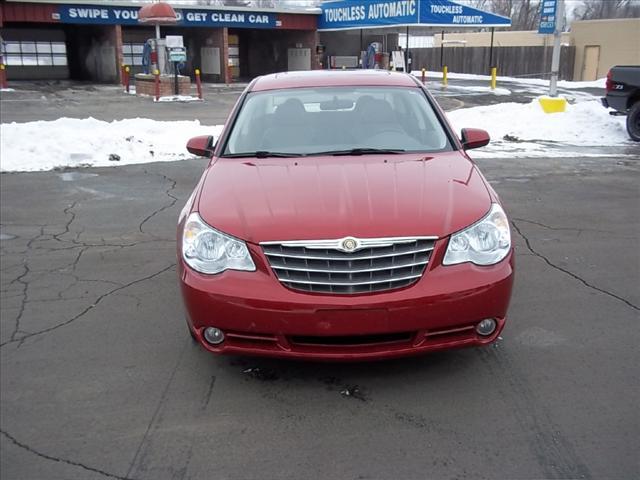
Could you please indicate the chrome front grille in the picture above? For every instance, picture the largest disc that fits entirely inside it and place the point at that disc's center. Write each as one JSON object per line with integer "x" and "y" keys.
{"x": 357, "y": 266}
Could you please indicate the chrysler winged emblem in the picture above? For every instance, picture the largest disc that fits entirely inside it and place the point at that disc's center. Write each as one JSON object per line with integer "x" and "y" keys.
{"x": 349, "y": 244}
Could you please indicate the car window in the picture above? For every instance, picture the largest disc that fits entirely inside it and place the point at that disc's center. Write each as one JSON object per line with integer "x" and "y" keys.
{"x": 309, "y": 121}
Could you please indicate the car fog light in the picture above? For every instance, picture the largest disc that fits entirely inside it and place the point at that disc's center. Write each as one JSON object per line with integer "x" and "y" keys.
{"x": 486, "y": 327}
{"x": 213, "y": 335}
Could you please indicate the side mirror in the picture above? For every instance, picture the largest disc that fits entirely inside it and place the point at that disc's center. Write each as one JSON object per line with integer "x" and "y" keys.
{"x": 201, "y": 146}
{"x": 474, "y": 138}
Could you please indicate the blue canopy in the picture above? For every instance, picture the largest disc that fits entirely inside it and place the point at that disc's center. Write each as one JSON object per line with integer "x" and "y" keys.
{"x": 354, "y": 14}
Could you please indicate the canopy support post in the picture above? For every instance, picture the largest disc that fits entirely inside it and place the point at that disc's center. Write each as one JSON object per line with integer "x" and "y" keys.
{"x": 362, "y": 57}
{"x": 407, "y": 63}
{"x": 555, "y": 58}
{"x": 491, "y": 65}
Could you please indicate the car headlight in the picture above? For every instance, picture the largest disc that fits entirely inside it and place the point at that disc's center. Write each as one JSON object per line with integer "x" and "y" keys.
{"x": 486, "y": 242}
{"x": 207, "y": 250}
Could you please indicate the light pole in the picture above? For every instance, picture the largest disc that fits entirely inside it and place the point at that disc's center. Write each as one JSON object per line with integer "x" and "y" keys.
{"x": 555, "y": 57}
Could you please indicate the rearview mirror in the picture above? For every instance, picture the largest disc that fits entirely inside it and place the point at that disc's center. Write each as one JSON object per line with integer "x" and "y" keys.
{"x": 201, "y": 146}
{"x": 474, "y": 138}
{"x": 336, "y": 104}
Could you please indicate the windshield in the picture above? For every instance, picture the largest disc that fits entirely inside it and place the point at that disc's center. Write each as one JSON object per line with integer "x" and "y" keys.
{"x": 338, "y": 120}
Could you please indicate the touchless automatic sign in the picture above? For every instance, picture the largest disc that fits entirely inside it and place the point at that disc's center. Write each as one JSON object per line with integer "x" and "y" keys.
{"x": 89, "y": 14}
{"x": 354, "y": 14}
{"x": 346, "y": 14}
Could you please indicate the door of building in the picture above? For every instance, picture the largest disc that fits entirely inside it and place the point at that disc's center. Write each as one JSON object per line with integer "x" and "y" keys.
{"x": 590, "y": 64}
{"x": 299, "y": 59}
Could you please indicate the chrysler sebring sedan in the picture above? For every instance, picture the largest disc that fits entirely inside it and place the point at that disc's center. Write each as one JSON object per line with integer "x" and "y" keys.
{"x": 340, "y": 218}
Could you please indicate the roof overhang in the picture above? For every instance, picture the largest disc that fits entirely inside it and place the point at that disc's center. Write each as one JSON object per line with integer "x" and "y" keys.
{"x": 179, "y": 4}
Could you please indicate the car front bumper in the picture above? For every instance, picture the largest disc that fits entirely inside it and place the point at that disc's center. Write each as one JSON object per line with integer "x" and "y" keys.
{"x": 260, "y": 316}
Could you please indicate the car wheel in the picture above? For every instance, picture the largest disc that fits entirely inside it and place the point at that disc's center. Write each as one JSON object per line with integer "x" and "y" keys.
{"x": 633, "y": 122}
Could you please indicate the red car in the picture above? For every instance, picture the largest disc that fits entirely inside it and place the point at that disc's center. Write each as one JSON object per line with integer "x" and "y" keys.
{"x": 340, "y": 218}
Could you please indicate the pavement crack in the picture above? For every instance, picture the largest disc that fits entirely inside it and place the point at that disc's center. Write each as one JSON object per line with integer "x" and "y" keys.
{"x": 551, "y": 448}
{"x": 25, "y": 286}
{"x": 23, "y": 302}
{"x": 207, "y": 398}
{"x": 567, "y": 229}
{"x": 174, "y": 199}
{"x": 571, "y": 274}
{"x": 67, "y": 211}
{"x": 33, "y": 451}
{"x": 163, "y": 398}
{"x": 87, "y": 309}
{"x": 73, "y": 265}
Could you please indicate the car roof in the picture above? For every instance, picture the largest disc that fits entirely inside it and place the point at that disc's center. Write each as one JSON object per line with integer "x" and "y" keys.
{"x": 332, "y": 78}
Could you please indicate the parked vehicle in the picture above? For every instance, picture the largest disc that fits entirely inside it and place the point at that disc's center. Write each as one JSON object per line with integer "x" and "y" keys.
{"x": 623, "y": 95}
{"x": 340, "y": 218}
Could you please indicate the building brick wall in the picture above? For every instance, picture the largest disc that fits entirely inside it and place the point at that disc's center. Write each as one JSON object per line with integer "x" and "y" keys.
{"x": 145, "y": 85}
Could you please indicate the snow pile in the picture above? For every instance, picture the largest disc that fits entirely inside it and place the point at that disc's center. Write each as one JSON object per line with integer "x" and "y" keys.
{"x": 179, "y": 98}
{"x": 524, "y": 130}
{"x": 516, "y": 129}
{"x": 70, "y": 142}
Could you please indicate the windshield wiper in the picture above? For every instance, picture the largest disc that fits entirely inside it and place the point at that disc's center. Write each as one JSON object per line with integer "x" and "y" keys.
{"x": 262, "y": 154}
{"x": 360, "y": 151}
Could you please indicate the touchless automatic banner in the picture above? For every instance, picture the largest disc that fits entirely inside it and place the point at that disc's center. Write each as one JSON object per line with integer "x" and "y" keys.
{"x": 349, "y": 14}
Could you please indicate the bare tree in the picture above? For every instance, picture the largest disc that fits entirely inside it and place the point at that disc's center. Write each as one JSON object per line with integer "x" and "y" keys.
{"x": 597, "y": 9}
{"x": 263, "y": 3}
{"x": 236, "y": 3}
{"x": 260, "y": 3}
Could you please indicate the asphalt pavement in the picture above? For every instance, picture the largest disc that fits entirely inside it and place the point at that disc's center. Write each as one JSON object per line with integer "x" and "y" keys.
{"x": 100, "y": 379}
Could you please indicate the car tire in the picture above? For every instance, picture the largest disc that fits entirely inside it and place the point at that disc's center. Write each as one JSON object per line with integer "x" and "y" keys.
{"x": 633, "y": 122}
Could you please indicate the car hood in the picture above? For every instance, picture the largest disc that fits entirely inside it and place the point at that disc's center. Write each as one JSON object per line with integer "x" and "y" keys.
{"x": 330, "y": 197}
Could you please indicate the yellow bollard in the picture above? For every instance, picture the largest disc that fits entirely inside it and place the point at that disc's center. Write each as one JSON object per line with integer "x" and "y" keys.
{"x": 424, "y": 75}
{"x": 444, "y": 76}
{"x": 127, "y": 78}
{"x": 494, "y": 74}
{"x": 3, "y": 76}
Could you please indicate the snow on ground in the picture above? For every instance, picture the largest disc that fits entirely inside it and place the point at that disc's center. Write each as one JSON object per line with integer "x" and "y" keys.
{"x": 600, "y": 83}
{"x": 179, "y": 98}
{"x": 524, "y": 130}
{"x": 516, "y": 129}
{"x": 71, "y": 142}
{"x": 487, "y": 90}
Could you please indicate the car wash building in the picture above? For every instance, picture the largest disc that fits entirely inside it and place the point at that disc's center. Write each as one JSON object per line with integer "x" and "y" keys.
{"x": 348, "y": 27}
{"x": 89, "y": 41}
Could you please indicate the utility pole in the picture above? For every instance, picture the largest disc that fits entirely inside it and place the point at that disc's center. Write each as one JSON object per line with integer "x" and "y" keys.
{"x": 555, "y": 57}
